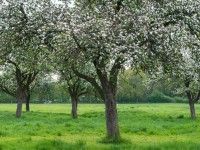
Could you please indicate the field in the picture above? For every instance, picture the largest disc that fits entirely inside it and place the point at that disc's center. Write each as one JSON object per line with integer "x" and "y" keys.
{"x": 142, "y": 126}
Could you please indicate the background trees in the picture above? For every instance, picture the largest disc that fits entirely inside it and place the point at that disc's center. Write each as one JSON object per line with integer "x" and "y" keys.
{"x": 131, "y": 87}
{"x": 76, "y": 87}
{"x": 13, "y": 78}
{"x": 23, "y": 36}
{"x": 173, "y": 39}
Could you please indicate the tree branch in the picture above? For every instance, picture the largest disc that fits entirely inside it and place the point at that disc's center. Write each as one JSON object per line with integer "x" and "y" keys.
{"x": 188, "y": 92}
{"x": 91, "y": 80}
{"x": 21, "y": 8}
{"x": 197, "y": 97}
{"x": 114, "y": 74}
{"x": 7, "y": 91}
{"x": 82, "y": 93}
{"x": 33, "y": 76}
{"x": 12, "y": 62}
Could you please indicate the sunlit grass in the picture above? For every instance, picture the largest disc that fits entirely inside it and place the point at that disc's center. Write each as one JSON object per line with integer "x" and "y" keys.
{"x": 142, "y": 126}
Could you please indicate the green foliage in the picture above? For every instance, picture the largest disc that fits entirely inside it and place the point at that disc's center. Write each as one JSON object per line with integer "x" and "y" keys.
{"x": 159, "y": 97}
{"x": 48, "y": 90}
{"x": 180, "y": 100}
{"x": 4, "y": 98}
{"x": 131, "y": 87}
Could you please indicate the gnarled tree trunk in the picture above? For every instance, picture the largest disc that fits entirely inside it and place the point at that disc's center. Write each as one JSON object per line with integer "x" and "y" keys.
{"x": 109, "y": 88}
{"x": 111, "y": 115}
{"x": 20, "y": 93}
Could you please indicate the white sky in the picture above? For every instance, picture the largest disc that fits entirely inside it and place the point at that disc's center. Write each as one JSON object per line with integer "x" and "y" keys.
{"x": 71, "y": 4}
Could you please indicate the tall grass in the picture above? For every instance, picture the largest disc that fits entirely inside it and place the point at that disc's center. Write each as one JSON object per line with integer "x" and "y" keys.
{"x": 142, "y": 126}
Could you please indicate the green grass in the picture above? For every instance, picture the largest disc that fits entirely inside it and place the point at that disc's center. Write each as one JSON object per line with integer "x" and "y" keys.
{"x": 142, "y": 127}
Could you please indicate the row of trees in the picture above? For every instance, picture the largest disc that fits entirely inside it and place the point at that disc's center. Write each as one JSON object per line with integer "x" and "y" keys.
{"x": 132, "y": 88}
{"x": 90, "y": 43}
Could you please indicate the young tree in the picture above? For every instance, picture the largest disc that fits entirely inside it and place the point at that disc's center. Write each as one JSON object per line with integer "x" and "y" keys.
{"x": 76, "y": 88}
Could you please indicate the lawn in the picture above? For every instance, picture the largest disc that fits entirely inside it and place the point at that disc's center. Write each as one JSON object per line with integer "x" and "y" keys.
{"x": 143, "y": 126}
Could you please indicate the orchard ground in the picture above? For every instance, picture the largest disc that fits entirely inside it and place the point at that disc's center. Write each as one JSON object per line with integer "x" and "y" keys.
{"x": 142, "y": 126}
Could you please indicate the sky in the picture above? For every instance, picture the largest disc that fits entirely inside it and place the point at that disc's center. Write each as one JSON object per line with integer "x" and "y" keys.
{"x": 59, "y": 2}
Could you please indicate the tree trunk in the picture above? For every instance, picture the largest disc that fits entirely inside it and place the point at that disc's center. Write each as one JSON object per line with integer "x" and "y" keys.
{"x": 111, "y": 116}
{"x": 107, "y": 91}
{"x": 28, "y": 102}
{"x": 74, "y": 107}
{"x": 19, "y": 105}
{"x": 192, "y": 109}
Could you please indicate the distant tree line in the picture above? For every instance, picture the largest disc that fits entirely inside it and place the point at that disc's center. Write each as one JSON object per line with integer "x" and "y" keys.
{"x": 132, "y": 88}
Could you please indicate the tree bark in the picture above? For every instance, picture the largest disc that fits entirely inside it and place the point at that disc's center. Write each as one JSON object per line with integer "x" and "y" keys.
{"x": 191, "y": 99}
{"x": 19, "y": 105}
{"x": 20, "y": 92}
{"x": 111, "y": 115}
{"x": 74, "y": 107}
{"x": 192, "y": 109}
{"x": 28, "y": 102}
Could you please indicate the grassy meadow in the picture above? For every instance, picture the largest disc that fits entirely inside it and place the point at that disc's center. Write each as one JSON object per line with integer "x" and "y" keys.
{"x": 142, "y": 126}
